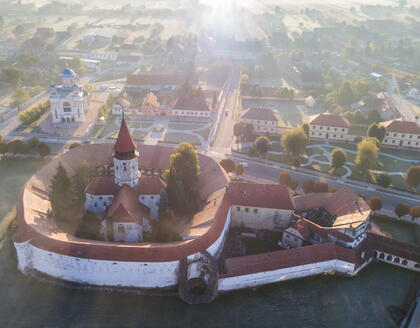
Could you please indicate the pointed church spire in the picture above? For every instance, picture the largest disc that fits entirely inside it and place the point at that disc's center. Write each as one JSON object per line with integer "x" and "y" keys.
{"x": 124, "y": 143}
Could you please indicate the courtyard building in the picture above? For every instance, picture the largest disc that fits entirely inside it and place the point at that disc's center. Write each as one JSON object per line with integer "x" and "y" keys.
{"x": 401, "y": 133}
{"x": 329, "y": 126}
{"x": 264, "y": 120}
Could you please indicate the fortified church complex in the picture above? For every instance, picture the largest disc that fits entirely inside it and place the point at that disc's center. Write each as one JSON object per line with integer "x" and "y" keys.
{"x": 316, "y": 233}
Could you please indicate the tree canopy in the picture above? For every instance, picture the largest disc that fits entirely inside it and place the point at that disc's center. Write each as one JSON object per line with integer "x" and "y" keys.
{"x": 227, "y": 164}
{"x": 367, "y": 155}
{"x": 182, "y": 178}
{"x": 62, "y": 195}
{"x": 262, "y": 144}
{"x": 294, "y": 142}
{"x": 376, "y": 131}
{"x": 338, "y": 158}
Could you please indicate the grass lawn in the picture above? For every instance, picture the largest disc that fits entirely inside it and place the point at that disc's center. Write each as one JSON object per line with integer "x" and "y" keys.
{"x": 110, "y": 127}
{"x": 181, "y": 137}
{"x": 313, "y": 151}
{"x": 393, "y": 165}
{"x": 319, "y": 167}
{"x": 96, "y": 131}
{"x": 408, "y": 154}
{"x": 139, "y": 135}
{"x": 139, "y": 125}
{"x": 396, "y": 229}
{"x": 204, "y": 133}
{"x": 14, "y": 173}
{"x": 185, "y": 126}
{"x": 344, "y": 146}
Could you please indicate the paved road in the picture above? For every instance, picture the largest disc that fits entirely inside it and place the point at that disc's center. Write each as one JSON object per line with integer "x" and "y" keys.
{"x": 403, "y": 106}
{"x": 224, "y": 136}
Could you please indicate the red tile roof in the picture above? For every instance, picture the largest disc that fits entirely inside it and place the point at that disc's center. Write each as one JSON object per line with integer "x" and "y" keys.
{"x": 195, "y": 101}
{"x": 154, "y": 79}
{"x": 259, "y": 113}
{"x": 151, "y": 100}
{"x": 399, "y": 126}
{"x": 345, "y": 204}
{"x": 124, "y": 143}
{"x": 261, "y": 195}
{"x": 126, "y": 204}
{"x": 150, "y": 185}
{"x": 243, "y": 265}
{"x": 102, "y": 186}
{"x": 326, "y": 119}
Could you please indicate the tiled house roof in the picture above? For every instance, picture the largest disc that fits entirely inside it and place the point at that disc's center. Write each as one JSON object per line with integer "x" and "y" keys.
{"x": 326, "y": 119}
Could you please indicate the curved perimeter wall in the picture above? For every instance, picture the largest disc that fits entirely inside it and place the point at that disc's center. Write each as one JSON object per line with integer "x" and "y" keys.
{"x": 42, "y": 247}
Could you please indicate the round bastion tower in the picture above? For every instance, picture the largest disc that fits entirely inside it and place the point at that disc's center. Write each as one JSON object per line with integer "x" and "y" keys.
{"x": 126, "y": 158}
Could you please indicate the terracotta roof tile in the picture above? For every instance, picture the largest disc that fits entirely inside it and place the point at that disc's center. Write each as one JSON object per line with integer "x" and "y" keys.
{"x": 151, "y": 100}
{"x": 124, "y": 143}
{"x": 102, "y": 186}
{"x": 326, "y": 119}
{"x": 154, "y": 79}
{"x": 127, "y": 198}
{"x": 196, "y": 102}
{"x": 345, "y": 204}
{"x": 399, "y": 126}
{"x": 259, "y": 113}
{"x": 150, "y": 185}
{"x": 243, "y": 265}
{"x": 261, "y": 195}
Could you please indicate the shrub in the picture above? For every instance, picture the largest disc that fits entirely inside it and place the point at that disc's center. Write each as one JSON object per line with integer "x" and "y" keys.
{"x": 402, "y": 209}
{"x": 375, "y": 203}
{"x": 415, "y": 212}
{"x": 33, "y": 113}
{"x": 383, "y": 179}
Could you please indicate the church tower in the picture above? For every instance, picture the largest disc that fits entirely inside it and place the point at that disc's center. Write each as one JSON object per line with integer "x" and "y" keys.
{"x": 126, "y": 158}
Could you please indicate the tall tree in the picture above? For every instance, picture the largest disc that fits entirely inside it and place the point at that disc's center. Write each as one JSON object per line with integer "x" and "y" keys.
{"x": 294, "y": 142}
{"x": 338, "y": 158}
{"x": 182, "y": 178}
{"x": 262, "y": 144}
{"x": 308, "y": 186}
{"x": 367, "y": 155}
{"x": 83, "y": 175}
{"x": 62, "y": 195}
{"x": 345, "y": 95}
{"x": 376, "y": 131}
{"x": 239, "y": 169}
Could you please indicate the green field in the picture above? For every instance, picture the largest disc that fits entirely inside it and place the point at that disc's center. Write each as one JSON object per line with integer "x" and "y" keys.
{"x": 396, "y": 229}
{"x": 14, "y": 173}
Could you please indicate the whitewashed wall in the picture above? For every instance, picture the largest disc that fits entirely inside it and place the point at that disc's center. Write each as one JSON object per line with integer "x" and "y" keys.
{"x": 151, "y": 201}
{"x": 267, "y": 277}
{"x": 106, "y": 273}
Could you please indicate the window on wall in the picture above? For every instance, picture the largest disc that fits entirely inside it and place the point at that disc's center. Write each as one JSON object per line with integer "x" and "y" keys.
{"x": 246, "y": 209}
{"x": 255, "y": 210}
{"x": 66, "y": 107}
{"x": 238, "y": 209}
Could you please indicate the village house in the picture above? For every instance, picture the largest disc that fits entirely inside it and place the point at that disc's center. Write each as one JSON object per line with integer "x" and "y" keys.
{"x": 150, "y": 105}
{"x": 191, "y": 105}
{"x": 121, "y": 105}
{"x": 69, "y": 101}
{"x": 401, "y": 133}
{"x": 329, "y": 126}
{"x": 264, "y": 120}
